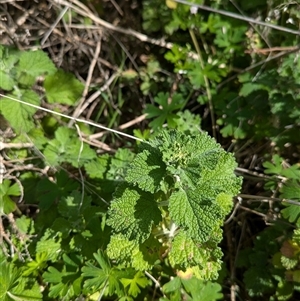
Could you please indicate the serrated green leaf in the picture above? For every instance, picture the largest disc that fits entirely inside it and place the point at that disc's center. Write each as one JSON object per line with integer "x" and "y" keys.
{"x": 71, "y": 206}
{"x": 233, "y": 129}
{"x": 187, "y": 253}
{"x": 292, "y": 172}
{"x": 63, "y": 226}
{"x": 147, "y": 170}
{"x": 65, "y": 284}
{"x": 47, "y": 192}
{"x": 165, "y": 111}
{"x": 196, "y": 160}
{"x": 119, "y": 163}
{"x": 258, "y": 281}
{"x": 291, "y": 213}
{"x": 291, "y": 190}
{"x": 24, "y": 224}
{"x": 197, "y": 181}
{"x": 134, "y": 284}
{"x": 63, "y": 87}
{"x": 188, "y": 122}
{"x": 7, "y": 205}
{"x": 19, "y": 115}
{"x": 15, "y": 287}
{"x": 49, "y": 244}
{"x": 31, "y": 65}
{"x": 133, "y": 213}
{"x": 6, "y": 81}
{"x": 180, "y": 150}
{"x": 248, "y": 88}
{"x": 200, "y": 217}
{"x": 35, "y": 63}
{"x": 67, "y": 147}
{"x": 196, "y": 76}
{"x": 100, "y": 278}
{"x": 8, "y": 57}
{"x": 127, "y": 252}
{"x": 28, "y": 293}
{"x": 9, "y": 278}
{"x": 276, "y": 167}
{"x": 288, "y": 263}
{"x": 36, "y": 266}
{"x": 97, "y": 167}
{"x": 7, "y": 189}
{"x": 201, "y": 290}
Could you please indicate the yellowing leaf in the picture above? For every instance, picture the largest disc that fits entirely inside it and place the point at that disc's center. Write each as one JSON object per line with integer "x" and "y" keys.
{"x": 171, "y": 4}
{"x": 187, "y": 274}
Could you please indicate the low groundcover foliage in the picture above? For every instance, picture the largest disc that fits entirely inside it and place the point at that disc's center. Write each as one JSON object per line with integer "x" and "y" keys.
{"x": 177, "y": 192}
{"x": 167, "y": 212}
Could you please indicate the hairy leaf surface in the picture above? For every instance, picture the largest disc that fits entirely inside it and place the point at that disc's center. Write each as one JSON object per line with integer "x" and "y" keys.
{"x": 127, "y": 252}
{"x": 147, "y": 170}
{"x": 133, "y": 213}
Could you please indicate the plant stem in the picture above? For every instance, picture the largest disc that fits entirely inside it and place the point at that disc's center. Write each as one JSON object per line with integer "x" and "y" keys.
{"x": 207, "y": 86}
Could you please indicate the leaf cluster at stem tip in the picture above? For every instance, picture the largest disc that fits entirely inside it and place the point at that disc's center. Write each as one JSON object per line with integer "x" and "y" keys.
{"x": 194, "y": 177}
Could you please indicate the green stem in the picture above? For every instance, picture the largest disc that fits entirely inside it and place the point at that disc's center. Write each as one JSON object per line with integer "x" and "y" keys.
{"x": 207, "y": 86}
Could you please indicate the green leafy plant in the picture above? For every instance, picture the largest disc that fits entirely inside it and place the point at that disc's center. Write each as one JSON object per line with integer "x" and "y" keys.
{"x": 278, "y": 246}
{"x": 165, "y": 111}
{"x": 108, "y": 280}
{"x": 15, "y": 287}
{"x": 85, "y": 218}
{"x": 19, "y": 71}
{"x": 182, "y": 186}
{"x": 7, "y": 191}
{"x": 191, "y": 289}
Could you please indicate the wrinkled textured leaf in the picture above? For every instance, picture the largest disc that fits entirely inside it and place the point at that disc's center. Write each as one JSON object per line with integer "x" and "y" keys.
{"x": 133, "y": 213}
{"x": 194, "y": 178}
{"x": 147, "y": 170}
{"x": 127, "y": 252}
{"x": 200, "y": 217}
{"x": 187, "y": 253}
